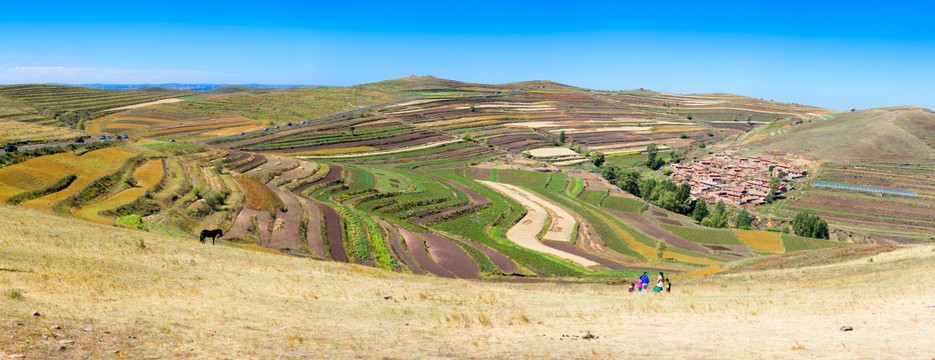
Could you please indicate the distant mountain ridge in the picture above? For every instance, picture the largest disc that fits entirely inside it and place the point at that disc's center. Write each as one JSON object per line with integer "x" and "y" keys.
{"x": 179, "y": 86}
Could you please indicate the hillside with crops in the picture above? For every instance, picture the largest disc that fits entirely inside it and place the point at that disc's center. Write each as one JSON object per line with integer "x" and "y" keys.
{"x": 421, "y": 175}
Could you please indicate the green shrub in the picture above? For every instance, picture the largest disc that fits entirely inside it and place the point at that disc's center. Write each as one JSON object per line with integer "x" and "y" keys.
{"x": 133, "y": 220}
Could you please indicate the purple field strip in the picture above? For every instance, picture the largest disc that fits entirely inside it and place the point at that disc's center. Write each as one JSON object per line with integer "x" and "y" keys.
{"x": 451, "y": 257}
{"x": 416, "y": 247}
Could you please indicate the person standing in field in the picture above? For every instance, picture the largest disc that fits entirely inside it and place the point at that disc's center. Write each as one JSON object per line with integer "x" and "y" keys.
{"x": 645, "y": 279}
{"x": 639, "y": 285}
{"x": 668, "y": 285}
{"x": 660, "y": 282}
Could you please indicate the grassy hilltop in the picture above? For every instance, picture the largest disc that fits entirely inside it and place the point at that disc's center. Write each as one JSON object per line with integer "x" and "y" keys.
{"x": 112, "y": 293}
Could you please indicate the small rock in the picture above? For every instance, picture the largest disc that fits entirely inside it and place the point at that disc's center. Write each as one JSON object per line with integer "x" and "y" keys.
{"x": 847, "y": 328}
{"x": 55, "y": 327}
{"x": 35, "y": 313}
{"x": 88, "y": 329}
{"x": 131, "y": 337}
{"x": 19, "y": 324}
{"x": 18, "y": 356}
{"x": 589, "y": 336}
{"x": 387, "y": 297}
{"x": 116, "y": 351}
{"x": 65, "y": 342}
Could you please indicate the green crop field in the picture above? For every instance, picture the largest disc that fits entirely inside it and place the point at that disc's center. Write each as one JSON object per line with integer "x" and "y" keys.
{"x": 705, "y": 235}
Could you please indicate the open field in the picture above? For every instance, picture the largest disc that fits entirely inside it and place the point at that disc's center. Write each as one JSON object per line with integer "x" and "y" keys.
{"x": 136, "y": 294}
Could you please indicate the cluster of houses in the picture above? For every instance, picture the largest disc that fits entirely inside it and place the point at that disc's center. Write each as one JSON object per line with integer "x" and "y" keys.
{"x": 738, "y": 180}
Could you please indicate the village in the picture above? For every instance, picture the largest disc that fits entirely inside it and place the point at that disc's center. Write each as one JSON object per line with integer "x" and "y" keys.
{"x": 735, "y": 179}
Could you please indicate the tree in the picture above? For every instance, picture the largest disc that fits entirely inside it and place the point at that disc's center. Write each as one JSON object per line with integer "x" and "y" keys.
{"x": 652, "y": 159}
{"x": 743, "y": 220}
{"x": 352, "y": 130}
{"x": 561, "y": 137}
{"x": 717, "y": 218}
{"x": 472, "y": 108}
{"x": 660, "y": 248}
{"x": 597, "y": 158}
{"x": 646, "y": 189}
{"x": 651, "y": 152}
{"x": 610, "y": 173}
{"x": 683, "y": 196}
{"x": 808, "y": 225}
{"x": 629, "y": 181}
{"x": 701, "y": 210}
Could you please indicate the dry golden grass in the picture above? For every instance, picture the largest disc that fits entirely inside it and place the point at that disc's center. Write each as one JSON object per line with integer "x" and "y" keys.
{"x": 16, "y": 132}
{"x": 141, "y": 295}
{"x": 147, "y": 176}
{"x": 762, "y": 241}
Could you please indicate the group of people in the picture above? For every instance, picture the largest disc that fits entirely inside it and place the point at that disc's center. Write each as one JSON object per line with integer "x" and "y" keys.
{"x": 642, "y": 284}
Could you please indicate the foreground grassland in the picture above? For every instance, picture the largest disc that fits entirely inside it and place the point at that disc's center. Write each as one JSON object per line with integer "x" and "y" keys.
{"x": 107, "y": 292}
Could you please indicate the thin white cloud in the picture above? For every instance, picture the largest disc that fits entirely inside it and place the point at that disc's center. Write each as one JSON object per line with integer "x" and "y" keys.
{"x": 65, "y": 74}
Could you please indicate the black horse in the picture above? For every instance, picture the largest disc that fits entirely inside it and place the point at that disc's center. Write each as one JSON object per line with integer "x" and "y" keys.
{"x": 213, "y": 234}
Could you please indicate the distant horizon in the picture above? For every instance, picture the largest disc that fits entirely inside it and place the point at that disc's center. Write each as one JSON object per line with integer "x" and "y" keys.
{"x": 859, "y": 55}
{"x": 295, "y": 86}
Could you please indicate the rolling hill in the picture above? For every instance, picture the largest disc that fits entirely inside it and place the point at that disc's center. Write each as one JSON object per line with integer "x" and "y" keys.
{"x": 895, "y": 134}
{"x": 431, "y": 176}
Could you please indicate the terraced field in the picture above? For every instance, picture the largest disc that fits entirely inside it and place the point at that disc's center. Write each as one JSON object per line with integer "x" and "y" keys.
{"x": 396, "y": 184}
{"x": 887, "y": 217}
{"x": 42, "y": 172}
{"x": 147, "y": 176}
{"x": 72, "y": 105}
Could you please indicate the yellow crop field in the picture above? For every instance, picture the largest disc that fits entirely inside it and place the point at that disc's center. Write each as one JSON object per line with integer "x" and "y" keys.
{"x": 120, "y": 126}
{"x": 94, "y": 126}
{"x": 147, "y": 176}
{"x": 698, "y": 273}
{"x": 144, "y": 119}
{"x": 762, "y": 241}
{"x": 40, "y": 172}
{"x": 233, "y": 130}
{"x": 259, "y": 196}
{"x": 37, "y": 173}
{"x": 201, "y": 125}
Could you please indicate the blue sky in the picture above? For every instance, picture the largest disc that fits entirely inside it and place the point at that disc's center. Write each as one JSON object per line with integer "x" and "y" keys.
{"x": 835, "y": 54}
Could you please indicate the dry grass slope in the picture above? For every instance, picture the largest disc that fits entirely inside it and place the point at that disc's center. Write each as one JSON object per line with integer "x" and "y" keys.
{"x": 141, "y": 295}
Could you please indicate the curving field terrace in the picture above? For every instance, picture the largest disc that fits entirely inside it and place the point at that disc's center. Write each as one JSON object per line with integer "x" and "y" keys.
{"x": 147, "y": 177}
{"x": 524, "y": 232}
